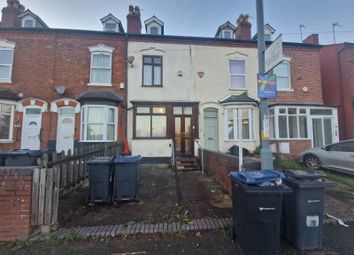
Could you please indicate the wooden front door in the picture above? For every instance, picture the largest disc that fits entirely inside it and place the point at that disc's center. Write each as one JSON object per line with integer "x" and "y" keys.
{"x": 184, "y": 139}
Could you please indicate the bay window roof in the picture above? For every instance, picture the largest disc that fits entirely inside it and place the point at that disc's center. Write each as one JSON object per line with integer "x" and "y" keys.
{"x": 105, "y": 97}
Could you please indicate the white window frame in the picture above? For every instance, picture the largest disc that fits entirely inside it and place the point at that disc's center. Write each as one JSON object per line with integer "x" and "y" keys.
{"x": 227, "y": 30}
{"x": 108, "y": 29}
{"x": 24, "y": 19}
{"x": 8, "y": 46}
{"x": 13, "y": 105}
{"x": 238, "y": 124}
{"x": 84, "y": 122}
{"x": 238, "y": 75}
{"x": 99, "y": 50}
{"x": 286, "y": 61}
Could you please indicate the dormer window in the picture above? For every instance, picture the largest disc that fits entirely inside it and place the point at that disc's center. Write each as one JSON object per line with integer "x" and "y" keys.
{"x": 154, "y": 31}
{"x": 154, "y": 26}
{"x": 112, "y": 24}
{"x": 227, "y": 34}
{"x": 226, "y": 31}
{"x": 28, "y": 23}
{"x": 111, "y": 27}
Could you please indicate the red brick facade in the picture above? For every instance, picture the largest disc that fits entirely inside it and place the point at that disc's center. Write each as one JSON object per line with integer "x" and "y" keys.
{"x": 337, "y": 64}
{"x": 15, "y": 204}
{"x": 46, "y": 59}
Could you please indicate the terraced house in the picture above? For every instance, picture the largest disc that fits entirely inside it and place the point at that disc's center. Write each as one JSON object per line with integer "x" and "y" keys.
{"x": 169, "y": 95}
{"x": 59, "y": 87}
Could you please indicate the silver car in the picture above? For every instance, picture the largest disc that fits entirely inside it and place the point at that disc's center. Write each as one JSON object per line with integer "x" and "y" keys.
{"x": 337, "y": 156}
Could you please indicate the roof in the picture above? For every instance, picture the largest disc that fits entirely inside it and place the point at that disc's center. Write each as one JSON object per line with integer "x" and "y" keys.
{"x": 157, "y": 20}
{"x": 111, "y": 16}
{"x": 243, "y": 98}
{"x": 9, "y": 94}
{"x": 227, "y": 24}
{"x": 101, "y": 96}
{"x": 28, "y": 12}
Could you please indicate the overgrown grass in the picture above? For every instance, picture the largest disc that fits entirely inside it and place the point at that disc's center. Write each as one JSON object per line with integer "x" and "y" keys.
{"x": 348, "y": 182}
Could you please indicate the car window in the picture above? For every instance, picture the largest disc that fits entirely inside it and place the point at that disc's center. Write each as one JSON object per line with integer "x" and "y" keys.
{"x": 343, "y": 147}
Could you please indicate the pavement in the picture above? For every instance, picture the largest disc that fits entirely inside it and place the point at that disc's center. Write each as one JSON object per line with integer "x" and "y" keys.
{"x": 336, "y": 240}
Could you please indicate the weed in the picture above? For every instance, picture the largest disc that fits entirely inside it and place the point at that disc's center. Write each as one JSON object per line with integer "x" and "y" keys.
{"x": 24, "y": 242}
{"x": 347, "y": 181}
{"x": 131, "y": 222}
{"x": 75, "y": 237}
{"x": 180, "y": 214}
{"x": 288, "y": 164}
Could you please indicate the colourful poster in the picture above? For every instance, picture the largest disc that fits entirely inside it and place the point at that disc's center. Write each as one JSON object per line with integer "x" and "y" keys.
{"x": 267, "y": 87}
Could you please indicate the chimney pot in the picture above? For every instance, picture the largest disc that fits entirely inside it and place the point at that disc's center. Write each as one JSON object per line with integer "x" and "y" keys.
{"x": 243, "y": 28}
{"x": 10, "y": 14}
{"x": 133, "y": 20}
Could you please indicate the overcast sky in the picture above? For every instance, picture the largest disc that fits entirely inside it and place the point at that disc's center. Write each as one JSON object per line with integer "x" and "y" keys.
{"x": 202, "y": 17}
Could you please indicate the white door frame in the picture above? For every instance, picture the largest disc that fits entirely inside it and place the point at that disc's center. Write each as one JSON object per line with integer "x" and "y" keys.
{"x": 24, "y": 121}
{"x": 60, "y": 116}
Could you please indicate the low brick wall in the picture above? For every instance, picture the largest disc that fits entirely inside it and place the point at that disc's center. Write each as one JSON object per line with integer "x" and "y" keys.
{"x": 15, "y": 203}
{"x": 219, "y": 165}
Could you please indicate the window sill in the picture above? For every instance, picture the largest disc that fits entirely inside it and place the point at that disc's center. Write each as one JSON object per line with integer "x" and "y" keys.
{"x": 5, "y": 81}
{"x": 290, "y": 139}
{"x": 152, "y": 86}
{"x": 7, "y": 141}
{"x": 239, "y": 89}
{"x": 249, "y": 141}
{"x": 285, "y": 90}
{"x": 97, "y": 141}
{"x": 99, "y": 85}
{"x": 151, "y": 138}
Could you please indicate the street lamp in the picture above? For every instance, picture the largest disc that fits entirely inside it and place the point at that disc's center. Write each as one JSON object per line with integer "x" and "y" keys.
{"x": 266, "y": 153}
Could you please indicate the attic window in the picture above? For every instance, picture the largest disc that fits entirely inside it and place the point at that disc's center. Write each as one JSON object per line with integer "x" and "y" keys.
{"x": 227, "y": 34}
{"x": 111, "y": 27}
{"x": 154, "y": 30}
{"x": 28, "y": 23}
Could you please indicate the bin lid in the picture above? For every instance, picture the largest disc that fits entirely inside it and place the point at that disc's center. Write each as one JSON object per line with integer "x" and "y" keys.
{"x": 305, "y": 174}
{"x": 308, "y": 183}
{"x": 23, "y": 152}
{"x": 257, "y": 177}
{"x": 100, "y": 160}
{"x": 127, "y": 159}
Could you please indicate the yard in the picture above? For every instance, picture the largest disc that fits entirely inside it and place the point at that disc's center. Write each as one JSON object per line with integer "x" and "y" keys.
{"x": 163, "y": 197}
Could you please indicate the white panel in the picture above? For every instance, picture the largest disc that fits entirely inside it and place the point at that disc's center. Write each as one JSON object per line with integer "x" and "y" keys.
{"x": 152, "y": 148}
{"x": 284, "y": 148}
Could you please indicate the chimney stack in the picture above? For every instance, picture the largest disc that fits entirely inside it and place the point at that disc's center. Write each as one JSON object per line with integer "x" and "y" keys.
{"x": 10, "y": 14}
{"x": 133, "y": 20}
{"x": 243, "y": 28}
{"x": 312, "y": 39}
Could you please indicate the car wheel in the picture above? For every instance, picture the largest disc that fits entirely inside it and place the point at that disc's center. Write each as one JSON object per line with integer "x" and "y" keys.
{"x": 313, "y": 162}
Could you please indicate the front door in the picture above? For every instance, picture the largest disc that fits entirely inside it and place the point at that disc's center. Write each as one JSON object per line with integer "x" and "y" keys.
{"x": 66, "y": 129}
{"x": 184, "y": 140}
{"x": 322, "y": 128}
{"x": 31, "y": 129}
{"x": 211, "y": 129}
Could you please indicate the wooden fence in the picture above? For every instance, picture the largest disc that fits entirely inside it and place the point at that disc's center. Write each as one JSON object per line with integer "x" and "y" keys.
{"x": 57, "y": 174}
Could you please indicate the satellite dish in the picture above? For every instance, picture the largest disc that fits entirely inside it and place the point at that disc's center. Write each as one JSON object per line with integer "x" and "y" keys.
{"x": 60, "y": 90}
{"x": 131, "y": 60}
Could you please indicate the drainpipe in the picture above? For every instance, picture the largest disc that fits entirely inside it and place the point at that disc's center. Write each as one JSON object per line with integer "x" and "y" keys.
{"x": 126, "y": 85}
{"x": 342, "y": 87}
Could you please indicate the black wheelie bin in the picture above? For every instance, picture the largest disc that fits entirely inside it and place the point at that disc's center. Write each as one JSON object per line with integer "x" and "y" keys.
{"x": 304, "y": 208}
{"x": 257, "y": 206}
{"x": 100, "y": 180}
{"x": 126, "y": 178}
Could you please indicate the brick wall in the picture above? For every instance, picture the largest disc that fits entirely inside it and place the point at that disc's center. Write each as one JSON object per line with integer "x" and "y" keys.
{"x": 219, "y": 165}
{"x": 15, "y": 203}
{"x": 305, "y": 72}
{"x": 295, "y": 147}
{"x": 46, "y": 59}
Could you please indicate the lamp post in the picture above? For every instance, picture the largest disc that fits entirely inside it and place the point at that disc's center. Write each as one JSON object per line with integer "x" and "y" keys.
{"x": 266, "y": 153}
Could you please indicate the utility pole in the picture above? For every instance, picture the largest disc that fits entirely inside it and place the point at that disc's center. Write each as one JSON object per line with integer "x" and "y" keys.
{"x": 266, "y": 153}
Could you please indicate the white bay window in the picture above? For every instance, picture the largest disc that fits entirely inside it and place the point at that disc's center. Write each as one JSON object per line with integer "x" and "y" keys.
{"x": 99, "y": 123}
{"x": 239, "y": 124}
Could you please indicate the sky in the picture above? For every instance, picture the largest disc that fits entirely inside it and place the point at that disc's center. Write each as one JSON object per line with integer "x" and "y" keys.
{"x": 202, "y": 18}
